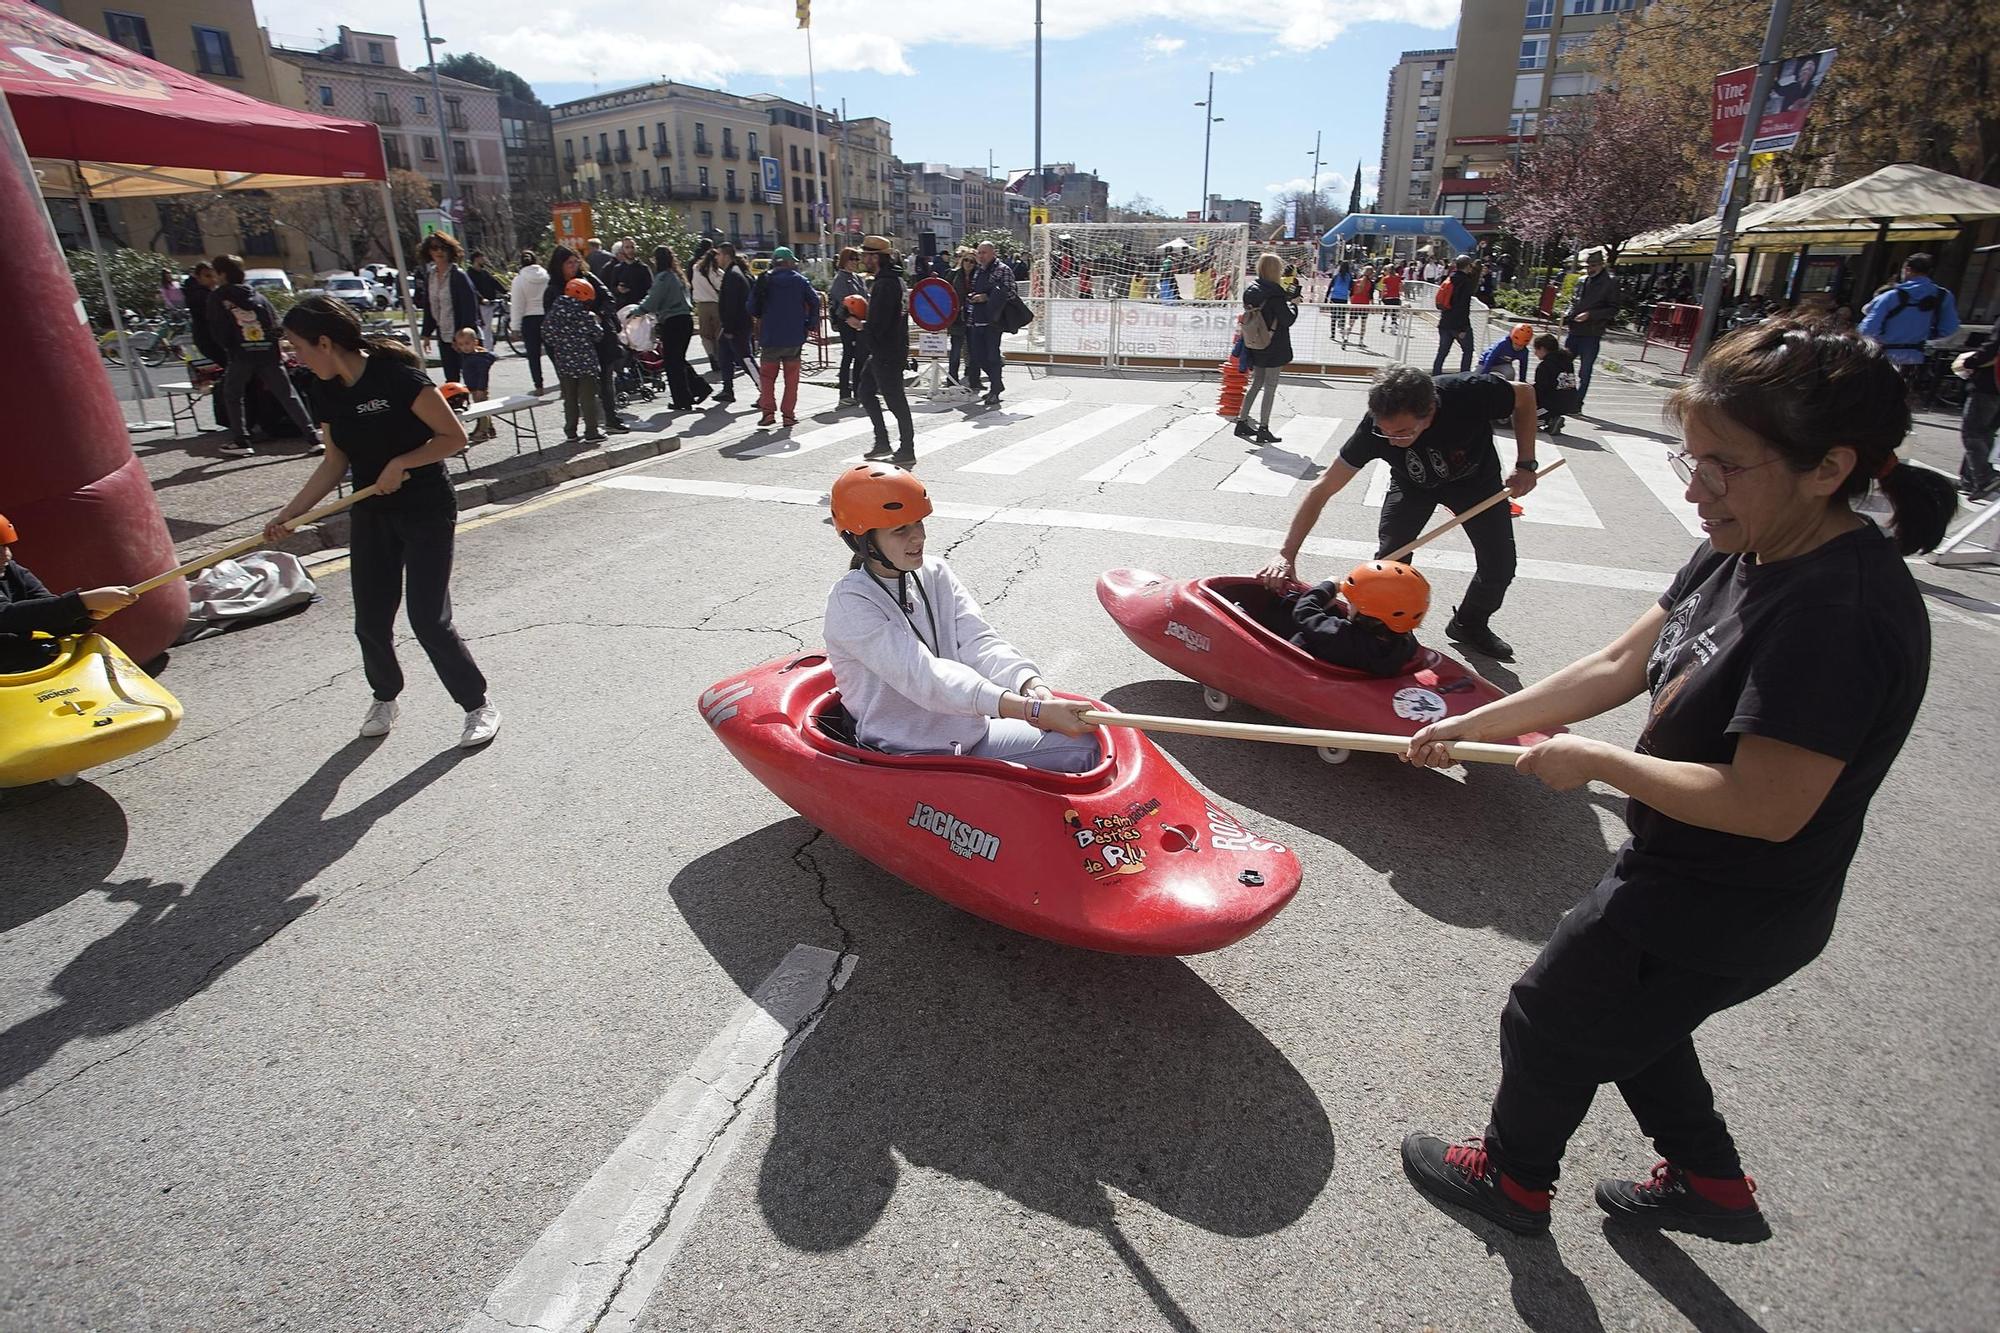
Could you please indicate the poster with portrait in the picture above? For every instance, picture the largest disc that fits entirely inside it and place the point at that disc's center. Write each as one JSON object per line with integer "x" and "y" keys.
{"x": 1783, "y": 116}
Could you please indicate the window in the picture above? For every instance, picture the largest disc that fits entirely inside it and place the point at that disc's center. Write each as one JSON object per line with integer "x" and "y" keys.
{"x": 1541, "y": 14}
{"x": 423, "y": 107}
{"x": 513, "y": 133}
{"x": 461, "y": 156}
{"x": 798, "y": 221}
{"x": 701, "y": 177}
{"x": 325, "y": 95}
{"x": 1521, "y": 124}
{"x": 822, "y": 164}
{"x": 798, "y": 191}
{"x": 427, "y": 148}
{"x": 729, "y": 182}
{"x": 1571, "y": 85}
{"x": 1527, "y": 92}
{"x": 129, "y": 31}
{"x": 621, "y": 139}
{"x": 728, "y": 140}
{"x": 735, "y": 223}
{"x": 603, "y": 148}
{"x": 660, "y": 137}
{"x": 180, "y": 225}
{"x": 753, "y": 145}
{"x": 569, "y": 153}
{"x": 646, "y": 179}
{"x": 1571, "y": 47}
{"x": 1534, "y": 53}
{"x": 707, "y": 221}
{"x": 213, "y": 53}
{"x": 375, "y": 54}
{"x": 795, "y": 157}
{"x": 700, "y": 137}
{"x": 625, "y": 181}
{"x": 378, "y": 107}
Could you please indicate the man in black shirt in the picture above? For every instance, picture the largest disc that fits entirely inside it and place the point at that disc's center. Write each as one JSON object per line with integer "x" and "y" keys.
{"x": 1437, "y": 437}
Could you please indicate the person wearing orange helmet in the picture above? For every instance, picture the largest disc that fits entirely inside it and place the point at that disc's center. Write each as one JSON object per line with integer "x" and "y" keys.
{"x": 919, "y": 668}
{"x": 28, "y": 608}
{"x": 571, "y": 333}
{"x": 1511, "y": 349}
{"x": 1375, "y": 631}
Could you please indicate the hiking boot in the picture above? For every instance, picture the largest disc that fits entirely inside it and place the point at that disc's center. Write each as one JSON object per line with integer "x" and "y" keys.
{"x": 1245, "y": 431}
{"x": 1720, "y": 1208}
{"x": 1478, "y": 636}
{"x": 879, "y": 449}
{"x": 1463, "y": 1175}
{"x": 1264, "y": 436}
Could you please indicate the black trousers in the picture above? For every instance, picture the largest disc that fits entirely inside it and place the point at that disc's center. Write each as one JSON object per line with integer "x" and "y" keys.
{"x": 1596, "y": 1008}
{"x": 675, "y": 332}
{"x": 531, "y": 342}
{"x": 1407, "y": 512}
{"x": 879, "y": 379}
{"x": 850, "y": 360}
{"x": 268, "y": 370}
{"x": 1446, "y": 337}
{"x": 448, "y": 355}
{"x": 392, "y": 551}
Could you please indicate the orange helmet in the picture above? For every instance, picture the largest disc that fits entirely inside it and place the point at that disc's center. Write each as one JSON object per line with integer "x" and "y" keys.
{"x": 7, "y": 534}
{"x": 456, "y": 394}
{"x": 1389, "y": 591}
{"x": 1523, "y": 334}
{"x": 579, "y": 289}
{"x": 856, "y": 306}
{"x": 876, "y": 495}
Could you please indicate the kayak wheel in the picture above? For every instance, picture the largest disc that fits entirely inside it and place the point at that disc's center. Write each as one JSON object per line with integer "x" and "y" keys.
{"x": 1333, "y": 754}
{"x": 1216, "y": 700}
{"x": 67, "y": 780}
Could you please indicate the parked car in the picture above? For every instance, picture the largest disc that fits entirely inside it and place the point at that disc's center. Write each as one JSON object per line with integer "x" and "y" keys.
{"x": 268, "y": 279}
{"x": 360, "y": 292}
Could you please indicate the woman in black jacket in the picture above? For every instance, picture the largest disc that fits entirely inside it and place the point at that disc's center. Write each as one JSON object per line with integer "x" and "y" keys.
{"x": 1267, "y": 297}
{"x": 247, "y": 327}
{"x": 564, "y": 264}
{"x": 451, "y": 302}
{"x": 733, "y": 347}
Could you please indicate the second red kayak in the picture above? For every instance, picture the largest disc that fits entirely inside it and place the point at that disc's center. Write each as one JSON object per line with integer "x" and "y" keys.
{"x": 1219, "y": 632}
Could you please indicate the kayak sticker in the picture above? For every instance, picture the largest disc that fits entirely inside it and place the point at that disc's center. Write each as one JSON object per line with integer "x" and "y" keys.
{"x": 1198, "y": 642}
{"x": 1229, "y": 836}
{"x": 965, "y": 840}
{"x": 718, "y": 704}
{"x": 1111, "y": 842}
{"x": 1418, "y": 705}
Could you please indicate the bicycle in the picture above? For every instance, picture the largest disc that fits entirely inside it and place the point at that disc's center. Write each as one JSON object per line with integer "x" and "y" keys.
{"x": 154, "y": 342}
{"x": 503, "y": 325}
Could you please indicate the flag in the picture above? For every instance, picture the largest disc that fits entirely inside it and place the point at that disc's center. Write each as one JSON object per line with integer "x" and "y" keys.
{"x": 805, "y": 13}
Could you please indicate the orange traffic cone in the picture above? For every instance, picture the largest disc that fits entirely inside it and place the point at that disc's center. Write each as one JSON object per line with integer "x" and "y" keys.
{"x": 1234, "y": 382}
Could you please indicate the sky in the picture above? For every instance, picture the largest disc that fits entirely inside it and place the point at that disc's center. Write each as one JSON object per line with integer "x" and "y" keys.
{"x": 1119, "y": 77}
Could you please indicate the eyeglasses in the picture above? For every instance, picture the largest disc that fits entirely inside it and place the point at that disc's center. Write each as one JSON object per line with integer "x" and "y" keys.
{"x": 1714, "y": 476}
{"x": 1401, "y": 436}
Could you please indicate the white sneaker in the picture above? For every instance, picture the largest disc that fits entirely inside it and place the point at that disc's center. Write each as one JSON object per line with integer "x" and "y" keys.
{"x": 381, "y": 717}
{"x": 482, "y": 724}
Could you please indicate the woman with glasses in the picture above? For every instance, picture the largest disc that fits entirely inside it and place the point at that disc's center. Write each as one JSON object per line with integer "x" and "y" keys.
{"x": 1785, "y": 663}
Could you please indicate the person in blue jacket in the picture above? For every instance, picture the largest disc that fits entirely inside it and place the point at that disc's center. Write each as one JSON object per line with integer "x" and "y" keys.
{"x": 1904, "y": 317}
{"x": 786, "y": 311}
{"x": 1512, "y": 348}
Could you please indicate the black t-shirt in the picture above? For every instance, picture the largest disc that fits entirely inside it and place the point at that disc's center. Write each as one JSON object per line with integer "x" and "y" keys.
{"x": 374, "y": 420}
{"x": 1829, "y": 651}
{"x": 1457, "y": 444}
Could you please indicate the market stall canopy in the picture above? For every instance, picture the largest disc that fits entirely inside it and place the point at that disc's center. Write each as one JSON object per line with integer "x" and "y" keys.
{"x": 1402, "y": 224}
{"x": 81, "y": 99}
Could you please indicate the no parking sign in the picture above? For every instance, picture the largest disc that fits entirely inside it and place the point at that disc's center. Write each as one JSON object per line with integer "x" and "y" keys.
{"x": 933, "y": 304}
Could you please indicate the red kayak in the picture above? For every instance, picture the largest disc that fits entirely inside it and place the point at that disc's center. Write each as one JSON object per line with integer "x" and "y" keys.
{"x": 1220, "y": 632}
{"x": 1126, "y": 858}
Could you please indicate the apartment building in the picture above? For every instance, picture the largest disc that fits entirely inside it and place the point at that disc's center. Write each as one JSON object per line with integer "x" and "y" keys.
{"x": 937, "y": 207}
{"x": 217, "y": 40}
{"x": 1417, "y": 109}
{"x": 810, "y": 182}
{"x": 1080, "y": 196}
{"x": 1533, "y": 59}
{"x": 527, "y": 138}
{"x": 863, "y": 191}
{"x": 360, "y": 76}
{"x": 1235, "y": 210}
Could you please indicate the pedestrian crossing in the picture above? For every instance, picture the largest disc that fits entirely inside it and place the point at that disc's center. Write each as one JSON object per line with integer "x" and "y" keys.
{"x": 1055, "y": 437}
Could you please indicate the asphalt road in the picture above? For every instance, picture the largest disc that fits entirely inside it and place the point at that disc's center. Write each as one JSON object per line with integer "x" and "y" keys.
{"x": 307, "y": 1032}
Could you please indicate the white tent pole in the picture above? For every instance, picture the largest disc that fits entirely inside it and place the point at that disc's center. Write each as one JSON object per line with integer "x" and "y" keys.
{"x": 141, "y": 389}
{"x": 402, "y": 271}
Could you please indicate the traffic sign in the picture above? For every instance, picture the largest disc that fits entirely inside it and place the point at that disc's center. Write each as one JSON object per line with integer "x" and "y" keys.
{"x": 1038, "y": 217}
{"x": 933, "y": 304}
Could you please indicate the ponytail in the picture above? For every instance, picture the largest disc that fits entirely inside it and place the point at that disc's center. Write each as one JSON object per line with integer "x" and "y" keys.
{"x": 1924, "y": 502}
{"x": 333, "y": 319}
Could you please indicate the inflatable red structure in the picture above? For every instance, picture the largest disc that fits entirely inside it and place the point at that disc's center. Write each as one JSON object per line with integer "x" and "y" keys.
{"x": 68, "y": 476}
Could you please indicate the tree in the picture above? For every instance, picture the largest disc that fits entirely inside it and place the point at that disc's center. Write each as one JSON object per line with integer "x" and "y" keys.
{"x": 1001, "y": 239}
{"x": 344, "y": 221}
{"x": 135, "y": 280}
{"x": 1139, "y": 208}
{"x": 648, "y": 223}
{"x": 480, "y": 70}
{"x": 1316, "y": 211}
{"x": 1603, "y": 169}
{"x": 1354, "y": 195}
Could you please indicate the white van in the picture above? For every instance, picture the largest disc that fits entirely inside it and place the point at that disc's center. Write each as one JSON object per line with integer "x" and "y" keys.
{"x": 267, "y": 279}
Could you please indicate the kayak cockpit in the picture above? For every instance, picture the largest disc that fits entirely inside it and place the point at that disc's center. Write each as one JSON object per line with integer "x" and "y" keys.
{"x": 830, "y": 729}
{"x": 1268, "y": 613}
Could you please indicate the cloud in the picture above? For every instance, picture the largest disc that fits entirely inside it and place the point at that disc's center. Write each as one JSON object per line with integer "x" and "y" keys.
{"x": 739, "y": 42}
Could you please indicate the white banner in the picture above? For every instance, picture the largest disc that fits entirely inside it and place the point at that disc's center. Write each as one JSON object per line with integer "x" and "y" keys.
{"x": 1143, "y": 328}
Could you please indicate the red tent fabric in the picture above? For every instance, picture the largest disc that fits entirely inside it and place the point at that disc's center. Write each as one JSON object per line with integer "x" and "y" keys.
{"x": 81, "y": 98}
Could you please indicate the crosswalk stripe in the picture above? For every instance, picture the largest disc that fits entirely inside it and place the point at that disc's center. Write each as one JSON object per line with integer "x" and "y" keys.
{"x": 1648, "y": 458}
{"x": 1018, "y": 458}
{"x": 931, "y": 442}
{"x": 1558, "y": 499}
{"x": 1274, "y": 470}
{"x": 1154, "y": 455}
{"x": 807, "y": 441}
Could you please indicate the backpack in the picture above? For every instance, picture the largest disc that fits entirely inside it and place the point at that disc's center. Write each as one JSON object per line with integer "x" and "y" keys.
{"x": 1257, "y": 330}
{"x": 1444, "y": 292}
{"x": 1930, "y": 305}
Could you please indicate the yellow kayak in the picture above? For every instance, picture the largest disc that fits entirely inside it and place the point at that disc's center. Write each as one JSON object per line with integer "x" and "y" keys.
{"x": 88, "y": 707}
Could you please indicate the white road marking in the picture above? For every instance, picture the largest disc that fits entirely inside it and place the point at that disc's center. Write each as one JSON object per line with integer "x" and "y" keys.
{"x": 807, "y": 441}
{"x": 1648, "y": 459}
{"x": 931, "y": 442}
{"x": 598, "y": 1263}
{"x": 1018, "y": 458}
{"x": 1149, "y": 458}
{"x": 1558, "y": 499}
{"x": 1275, "y": 469}
{"x": 1226, "y": 534}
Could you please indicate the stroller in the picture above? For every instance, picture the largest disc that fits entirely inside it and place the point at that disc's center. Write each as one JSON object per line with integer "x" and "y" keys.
{"x": 640, "y": 376}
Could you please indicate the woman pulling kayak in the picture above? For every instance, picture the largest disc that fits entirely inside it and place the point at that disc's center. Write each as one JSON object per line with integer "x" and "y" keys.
{"x": 1786, "y": 662}
{"x": 918, "y": 667}
{"x": 387, "y": 426}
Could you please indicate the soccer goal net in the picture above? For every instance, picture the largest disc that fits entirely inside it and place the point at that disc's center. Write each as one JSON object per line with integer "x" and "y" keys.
{"x": 1140, "y": 261}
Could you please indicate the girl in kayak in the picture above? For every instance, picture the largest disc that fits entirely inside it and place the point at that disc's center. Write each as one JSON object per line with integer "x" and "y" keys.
{"x": 918, "y": 666}
{"x": 28, "y": 608}
{"x": 1386, "y": 601}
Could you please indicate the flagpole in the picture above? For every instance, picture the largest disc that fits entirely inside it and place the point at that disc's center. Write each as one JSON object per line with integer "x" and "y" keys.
{"x": 812, "y": 97}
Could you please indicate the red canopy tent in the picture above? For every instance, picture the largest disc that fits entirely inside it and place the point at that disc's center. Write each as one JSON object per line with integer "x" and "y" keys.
{"x": 117, "y": 125}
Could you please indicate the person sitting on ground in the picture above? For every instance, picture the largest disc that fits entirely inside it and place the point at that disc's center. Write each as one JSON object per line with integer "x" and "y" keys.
{"x": 28, "y": 608}
{"x": 1377, "y": 631}
{"x": 475, "y": 367}
{"x": 1555, "y": 382}
{"x": 918, "y": 666}
{"x": 1512, "y": 348}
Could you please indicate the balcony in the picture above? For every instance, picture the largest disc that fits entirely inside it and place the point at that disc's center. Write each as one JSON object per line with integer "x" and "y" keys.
{"x": 702, "y": 148}
{"x": 385, "y": 115}
{"x": 456, "y": 121}
{"x": 679, "y": 191}
{"x": 623, "y": 154}
{"x": 662, "y": 150}
{"x": 395, "y": 157}
{"x": 733, "y": 196}
{"x": 604, "y": 157}
{"x": 729, "y": 151}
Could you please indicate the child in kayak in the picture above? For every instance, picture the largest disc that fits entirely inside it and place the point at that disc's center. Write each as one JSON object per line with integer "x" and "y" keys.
{"x": 918, "y": 666}
{"x": 27, "y": 608}
{"x": 1386, "y": 601}
{"x": 1555, "y": 382}
{"x": 1511, "y": 349}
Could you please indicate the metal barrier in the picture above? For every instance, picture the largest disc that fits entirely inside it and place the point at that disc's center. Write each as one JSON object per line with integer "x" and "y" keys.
{"x": 1672, "y": 325}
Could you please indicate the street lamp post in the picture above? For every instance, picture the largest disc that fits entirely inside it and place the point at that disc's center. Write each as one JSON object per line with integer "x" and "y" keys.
{"x": 1209, "y": 121}
{"x": 1312, "y": 201}
{"x": 444, "y": 134}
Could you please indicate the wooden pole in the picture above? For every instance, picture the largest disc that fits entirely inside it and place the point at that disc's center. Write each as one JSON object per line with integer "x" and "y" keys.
{"x": 251, "y": 543}
{"x": 1459, "y": 519}
{"x": 1476, "y": 752}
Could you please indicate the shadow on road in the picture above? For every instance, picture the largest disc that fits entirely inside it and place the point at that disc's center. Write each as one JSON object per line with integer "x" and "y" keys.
{"x": 60, "y": 854}
{"x": 1496, "y": 850}
{"x": 1042, "y": 1072}
{"x": 1669, "y": 1270}
{"x": 180, "y": 940}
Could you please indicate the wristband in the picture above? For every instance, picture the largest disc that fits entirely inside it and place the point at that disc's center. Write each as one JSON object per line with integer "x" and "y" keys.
{"x": 1034, "y": 710}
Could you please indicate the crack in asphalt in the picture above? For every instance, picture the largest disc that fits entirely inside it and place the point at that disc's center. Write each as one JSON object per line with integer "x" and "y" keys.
{"x": 803, "y": 858}
{"x": 1029, "y": 564}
